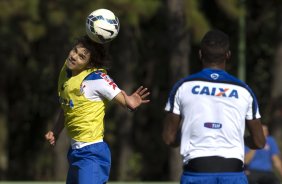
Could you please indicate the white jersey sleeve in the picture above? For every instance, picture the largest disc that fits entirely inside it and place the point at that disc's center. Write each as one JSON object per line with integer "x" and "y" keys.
{"x": 175, "y": 106}
{"x": 252, "y": 112}
{"x": 99, "y": 86}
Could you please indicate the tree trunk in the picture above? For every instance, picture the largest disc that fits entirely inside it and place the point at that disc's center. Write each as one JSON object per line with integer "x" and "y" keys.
{"x": 277, "y": 74}
{"x": 276, "y": 105}
{"x": 178, "y": 39}
{"x": 60, "y": 168}
{"x": 3, "y": 138}
{"x": 60, "y": 157}
{"x": 124, "y": 66}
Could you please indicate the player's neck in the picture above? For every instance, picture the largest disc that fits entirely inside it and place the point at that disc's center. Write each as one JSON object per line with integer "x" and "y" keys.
{"x": 217, "y": 66}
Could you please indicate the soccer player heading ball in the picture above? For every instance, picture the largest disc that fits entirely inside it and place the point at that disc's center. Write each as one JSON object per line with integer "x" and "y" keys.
{"x": 84, "y": 88}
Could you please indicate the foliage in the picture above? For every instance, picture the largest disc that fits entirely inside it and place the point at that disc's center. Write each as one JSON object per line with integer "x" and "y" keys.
{"x": 196, "y": 20}
{"x": 36, "y": 36}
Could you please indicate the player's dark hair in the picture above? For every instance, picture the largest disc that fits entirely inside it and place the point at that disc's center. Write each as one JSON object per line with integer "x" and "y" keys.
{"x": 99, "y": 57}
{"x": 214, "y": 47}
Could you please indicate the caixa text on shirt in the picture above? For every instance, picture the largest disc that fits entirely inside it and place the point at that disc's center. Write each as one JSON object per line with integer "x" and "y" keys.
{"x": 108, "y": 80}
{"x": 213, "y": 91}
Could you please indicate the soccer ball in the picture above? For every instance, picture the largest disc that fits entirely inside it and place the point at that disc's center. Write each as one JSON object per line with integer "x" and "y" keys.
{"x": 102, "y": 26}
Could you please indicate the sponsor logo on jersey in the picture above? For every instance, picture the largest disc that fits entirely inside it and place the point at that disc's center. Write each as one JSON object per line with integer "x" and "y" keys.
{"x": 215, "y": 91}
{"x": 108, "y": 80}
{"x": 213, "y": 125}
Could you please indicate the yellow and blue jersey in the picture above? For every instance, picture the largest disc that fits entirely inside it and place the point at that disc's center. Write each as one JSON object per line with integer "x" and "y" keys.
{"x": 83, "y": 98}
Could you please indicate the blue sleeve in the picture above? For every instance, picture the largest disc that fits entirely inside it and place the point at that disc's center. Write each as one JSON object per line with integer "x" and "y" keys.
{"x": 247, "y": 149}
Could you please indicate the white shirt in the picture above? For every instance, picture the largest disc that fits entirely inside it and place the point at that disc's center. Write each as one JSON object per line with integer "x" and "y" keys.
{"x": 213, "y": 106}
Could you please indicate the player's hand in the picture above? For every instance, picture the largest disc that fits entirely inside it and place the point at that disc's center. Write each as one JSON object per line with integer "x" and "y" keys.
{"x": 137, "y": 98}
{"x": 50, "y": 137}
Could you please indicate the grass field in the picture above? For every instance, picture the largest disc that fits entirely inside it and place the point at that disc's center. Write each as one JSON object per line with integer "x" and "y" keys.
{"x": 39, "y": 182}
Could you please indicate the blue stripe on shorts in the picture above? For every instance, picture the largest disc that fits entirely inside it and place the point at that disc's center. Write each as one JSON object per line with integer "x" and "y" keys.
{"x": 89, "y": 165}
{"x": 214, "y": 178}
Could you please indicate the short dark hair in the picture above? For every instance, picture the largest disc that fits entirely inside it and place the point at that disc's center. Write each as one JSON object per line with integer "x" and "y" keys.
{"x": 214, "y": 46}
{"x": 99, "y": 57}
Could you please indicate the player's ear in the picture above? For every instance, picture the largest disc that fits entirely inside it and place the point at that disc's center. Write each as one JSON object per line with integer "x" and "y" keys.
{"x": 90, "y": 65}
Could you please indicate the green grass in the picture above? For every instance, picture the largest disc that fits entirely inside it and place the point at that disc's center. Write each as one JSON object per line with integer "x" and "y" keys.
{"x": 38, "y": 182}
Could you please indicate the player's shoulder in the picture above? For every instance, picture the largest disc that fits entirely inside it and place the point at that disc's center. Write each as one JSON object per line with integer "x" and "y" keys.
{"x": 205, "y": 75}
{"x": 96, "y": 75}
{"x": 220, "y": 76}
{"x": 208, "y": 75}
{"x": 101, "y": 80}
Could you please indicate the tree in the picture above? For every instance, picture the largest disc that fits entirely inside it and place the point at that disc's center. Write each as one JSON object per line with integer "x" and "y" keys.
{"x": 157, "y": 45}
{"x": 179, "y": 46}
{"x": 276, "y": 92}
{"x": 125, "y": 49}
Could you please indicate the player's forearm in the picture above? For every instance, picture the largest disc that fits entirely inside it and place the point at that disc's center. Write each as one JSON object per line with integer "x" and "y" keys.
{"x": 171, "y": 130}
{"x": 253, "y": 144}
{"x": 279, "y": 169}
{"x": 277, "y": 163}
{"x": 249, "y": 156}
{"x": 172, "y": 140}
{"x": 256, "y": 138}
{"x": 134, "y": 100}
{"x": 59, "y": 124}
{"x": 120, "y": 100}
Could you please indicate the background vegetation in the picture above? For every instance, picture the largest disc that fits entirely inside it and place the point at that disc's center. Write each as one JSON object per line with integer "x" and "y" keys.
{"x": 157, "y": 45}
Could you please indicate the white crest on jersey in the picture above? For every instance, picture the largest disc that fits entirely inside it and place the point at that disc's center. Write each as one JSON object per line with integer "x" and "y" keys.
{"x": 214, "y": 76}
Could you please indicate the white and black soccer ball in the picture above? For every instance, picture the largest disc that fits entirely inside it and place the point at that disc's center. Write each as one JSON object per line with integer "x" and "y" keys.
{"x": 102, "y": 26}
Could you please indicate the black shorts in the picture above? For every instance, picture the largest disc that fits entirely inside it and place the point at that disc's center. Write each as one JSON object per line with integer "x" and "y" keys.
{"x": 214, "y": 164}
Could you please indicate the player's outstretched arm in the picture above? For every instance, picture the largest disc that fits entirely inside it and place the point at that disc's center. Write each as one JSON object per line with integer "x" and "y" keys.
{"x": 134, "y": 100}
{"x": 52, "y": 135}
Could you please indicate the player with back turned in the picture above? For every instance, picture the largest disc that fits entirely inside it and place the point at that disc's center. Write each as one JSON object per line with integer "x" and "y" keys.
{"x": 207, "y": 114}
